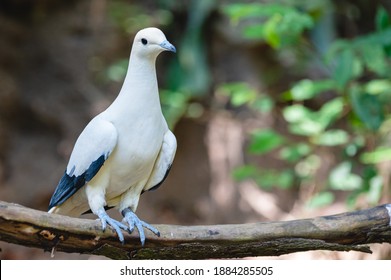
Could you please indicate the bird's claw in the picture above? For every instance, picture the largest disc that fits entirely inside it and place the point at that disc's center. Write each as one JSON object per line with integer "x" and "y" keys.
{"x": 116, "y": 225}
{"x": 131, "y": 218}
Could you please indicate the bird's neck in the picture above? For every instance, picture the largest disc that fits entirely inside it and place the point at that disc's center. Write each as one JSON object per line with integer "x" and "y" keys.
{"x": 139, "y": 92}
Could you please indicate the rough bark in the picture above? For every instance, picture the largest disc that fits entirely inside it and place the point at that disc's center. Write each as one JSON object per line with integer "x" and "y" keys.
{"x": 342, "y": 232}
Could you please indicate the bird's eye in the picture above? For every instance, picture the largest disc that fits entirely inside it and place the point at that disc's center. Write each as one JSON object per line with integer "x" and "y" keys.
{"x": 144, "y": 41}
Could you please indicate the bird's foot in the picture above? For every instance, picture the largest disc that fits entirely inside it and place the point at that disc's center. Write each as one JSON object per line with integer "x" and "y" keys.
{"x": 131, "y": 218}
{"x": 116, "y": 225}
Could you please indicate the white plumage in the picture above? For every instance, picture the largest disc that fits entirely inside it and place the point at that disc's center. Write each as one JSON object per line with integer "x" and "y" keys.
{"x": 123, "y": 151}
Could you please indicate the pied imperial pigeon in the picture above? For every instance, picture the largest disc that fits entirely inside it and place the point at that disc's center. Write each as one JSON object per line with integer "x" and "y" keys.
{"x": 125, "y": 150}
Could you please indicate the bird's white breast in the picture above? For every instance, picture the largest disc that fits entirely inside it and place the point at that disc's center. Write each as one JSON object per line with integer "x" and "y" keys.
{"x": 131, "y": 163}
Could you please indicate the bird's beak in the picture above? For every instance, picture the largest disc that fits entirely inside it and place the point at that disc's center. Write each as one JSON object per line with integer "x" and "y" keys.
{"x": 168, "y": 46}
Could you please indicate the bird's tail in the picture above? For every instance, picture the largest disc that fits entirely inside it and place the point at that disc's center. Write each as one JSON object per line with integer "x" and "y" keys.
{"x": 64, "y": 210}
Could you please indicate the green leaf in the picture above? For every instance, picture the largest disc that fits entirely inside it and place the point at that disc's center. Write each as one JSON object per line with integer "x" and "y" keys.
{"x": 263, "y": 104}
{"x": 255, "y": 31}
{"x": 380, "y": 154}
{"x": 308, "y": 123}
{"x": 273, "y": 178}
{"x": 380, "y": 86}
{"x": 242, "y": 97}
{"x": 354, "y": 146}
{"x": 282, "y": 28}
{"x": 240, "y": 93}
{"x": 308, "y": 127}
{"x": 383, "y": 22}
{"x": 270, "y": 31}
{"x": 374, "y": 58}
{"x": 382, "y": 19}
{"x": 241, "y": 11}
{"x": 335, "y": 49}
{"x": 307, "y": 89}
{"x": 263, "y": 141}
{"x": 382, "y": 38}
{"x": 302, "y": 120}
{"x": 265, "y": 178}
{"x": 332, "y": 137}
{"x": 245, "y": 172}
{"x": 308, "y": 166}
{"x": 343, "y": 71}
{"x": 330, "y": 111}
{"x": 296, "y": 113}
{"x": 285, "y": 179}
{"x": 367, "y": 107}
{"x": 342, "y": 178}
{"x": 295, "y": 152}
{"x": 279, "y": 25}
{"x": 320, "y": 200}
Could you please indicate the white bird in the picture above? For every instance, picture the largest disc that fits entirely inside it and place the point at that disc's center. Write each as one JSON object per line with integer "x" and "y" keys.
{"x": 125, "y": 150}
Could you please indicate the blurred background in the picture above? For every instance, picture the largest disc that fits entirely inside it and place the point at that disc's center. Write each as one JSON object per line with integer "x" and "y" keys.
{"x": 281, "y": 108}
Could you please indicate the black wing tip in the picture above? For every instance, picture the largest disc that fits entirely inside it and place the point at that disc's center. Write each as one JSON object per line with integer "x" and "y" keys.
{"x": 69, "y": 185}
{"x": 94, "y": 168}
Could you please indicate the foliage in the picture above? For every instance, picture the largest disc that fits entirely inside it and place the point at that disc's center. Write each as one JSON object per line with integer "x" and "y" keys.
{"x": 345, "y": 111}
{"x": 131, "y": 17}
{"x": 354, "y": 95}
{"x": 279, "y": 25}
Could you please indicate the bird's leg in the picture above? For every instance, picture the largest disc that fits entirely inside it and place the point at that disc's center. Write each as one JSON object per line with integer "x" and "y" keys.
{"x": 116, "y": 225}
{"x": 131, "y": 218}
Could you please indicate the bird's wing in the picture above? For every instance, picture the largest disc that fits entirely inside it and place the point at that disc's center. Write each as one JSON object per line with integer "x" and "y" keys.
{"x": 163, "y": 162}
{"x": 91, "y": 150}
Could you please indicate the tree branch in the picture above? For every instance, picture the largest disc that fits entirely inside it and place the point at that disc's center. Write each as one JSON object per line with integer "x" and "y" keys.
{"x": 342, "y": 232}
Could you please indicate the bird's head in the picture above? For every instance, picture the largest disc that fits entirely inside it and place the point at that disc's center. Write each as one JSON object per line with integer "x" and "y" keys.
{"x": 149, "y": 42}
